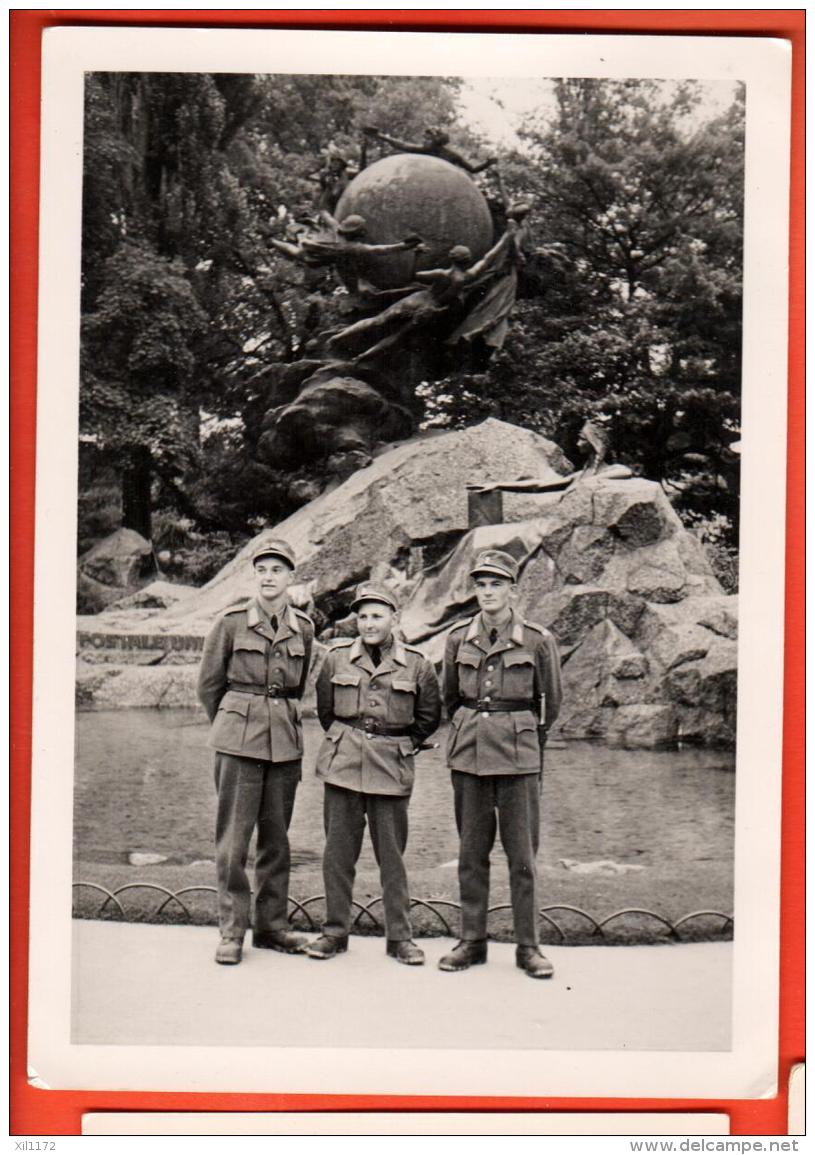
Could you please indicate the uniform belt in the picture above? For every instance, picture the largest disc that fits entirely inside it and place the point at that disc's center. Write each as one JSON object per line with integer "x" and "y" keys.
{"x": 374, "y": 726}
{"x": 498, "y": 705}
{"x": 264, "y": 691}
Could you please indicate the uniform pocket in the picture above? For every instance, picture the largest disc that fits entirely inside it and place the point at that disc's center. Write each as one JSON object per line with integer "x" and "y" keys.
{"x": 453, "y": 732}
{"x": 527, "y": 750}
{"x": 248, "y": 661}
{"x": 249, "y": 642}
{"x": 518, "y": 674}
{"x": 229, "y": 727}
{"x": 402, "y": 701}
{"x": 328, "y": 749}
{"x": 327, "y": 752}
{"x": 345, "y": 690}
{"x": 406, "y": 763}
{"x": 468, "y": 664}
{"x": 295, "y": 715}
{"x": 296, "y": 651}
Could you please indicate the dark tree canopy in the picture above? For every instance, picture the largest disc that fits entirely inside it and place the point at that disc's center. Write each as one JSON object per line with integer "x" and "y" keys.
{"x": 633, "y": 301}
{"x": 630, "y": 297}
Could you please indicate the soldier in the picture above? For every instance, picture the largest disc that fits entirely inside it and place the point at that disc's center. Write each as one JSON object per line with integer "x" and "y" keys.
{"x": 502, "y": 691}
{"x": 253, "y": 671}
{"x": 378, "y": 701}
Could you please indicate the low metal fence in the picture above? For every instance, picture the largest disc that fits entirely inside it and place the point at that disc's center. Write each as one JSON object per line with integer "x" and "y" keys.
{"x": 574, "y": 924}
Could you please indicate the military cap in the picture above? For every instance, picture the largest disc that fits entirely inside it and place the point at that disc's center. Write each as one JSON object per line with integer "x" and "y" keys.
{"x": 497, "y": 562}
{"x": 374, "y": 592}
{"x": 274, "y": 547}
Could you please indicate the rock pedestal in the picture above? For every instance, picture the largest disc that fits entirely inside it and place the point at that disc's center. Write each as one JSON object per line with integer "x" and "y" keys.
{"x": 645, "y": 631}
{"x": 412, "y": 495}
{"x": 646, "y": 635}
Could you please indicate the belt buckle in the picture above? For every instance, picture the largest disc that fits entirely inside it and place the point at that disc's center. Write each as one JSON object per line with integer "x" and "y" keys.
{"x": 483, "y": 703}
{"x": 273, "y": 691}
{"x": 370, "y": 725}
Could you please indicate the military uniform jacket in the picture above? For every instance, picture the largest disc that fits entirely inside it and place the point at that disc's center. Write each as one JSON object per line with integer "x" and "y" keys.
{"x": 242, "y": 648}
{"x": 522, "y": 665}
{"x": 403, "y": 691}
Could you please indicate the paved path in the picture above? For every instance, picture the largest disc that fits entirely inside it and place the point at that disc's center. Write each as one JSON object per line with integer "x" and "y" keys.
{"x": 145, "y": 984}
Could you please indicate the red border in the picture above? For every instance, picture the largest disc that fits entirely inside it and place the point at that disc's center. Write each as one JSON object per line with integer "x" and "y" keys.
{"x": 35, "y": 1112}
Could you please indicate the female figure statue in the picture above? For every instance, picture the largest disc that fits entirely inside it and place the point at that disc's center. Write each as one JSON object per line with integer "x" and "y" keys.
{"x": 489, "y": 316}
{"x": 445, "y": 288}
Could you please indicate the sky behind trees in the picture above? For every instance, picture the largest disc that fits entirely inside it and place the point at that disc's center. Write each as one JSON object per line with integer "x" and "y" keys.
{"x": 496, "y": 108}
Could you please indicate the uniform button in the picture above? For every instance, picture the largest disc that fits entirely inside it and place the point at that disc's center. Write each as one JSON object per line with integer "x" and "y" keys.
{"x": 485, "y": 714}
{"x": 490, "y": 669}
{"x": 488, "y": 682}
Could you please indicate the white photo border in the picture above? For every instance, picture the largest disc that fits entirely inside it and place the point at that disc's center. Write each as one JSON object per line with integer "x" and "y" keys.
{"x": 749, "y": 1069}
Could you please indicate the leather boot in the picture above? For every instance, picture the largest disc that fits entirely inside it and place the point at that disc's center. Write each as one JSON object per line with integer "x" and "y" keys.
{"x": 464, "y": 954}
{"x": 229, "y": 951}
{"x": 536, "y": 965}
{"x": 405, "y": 952}
{"x": 327, "y": 946}
{"x": 280, "y": 939}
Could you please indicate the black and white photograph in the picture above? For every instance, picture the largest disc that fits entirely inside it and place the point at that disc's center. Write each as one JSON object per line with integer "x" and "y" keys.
{"x": 414, "y": 431}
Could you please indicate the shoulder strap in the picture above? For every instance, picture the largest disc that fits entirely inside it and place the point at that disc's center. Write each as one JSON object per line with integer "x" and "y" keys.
{"x": 339, "y": 643}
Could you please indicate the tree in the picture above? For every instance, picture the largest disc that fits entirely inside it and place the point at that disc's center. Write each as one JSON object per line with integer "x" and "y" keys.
{"x": 629, "y": 303}
{"x": 633, "y": 300}
{"x": 648, "y": 202}
{"x": 139, "y": 396}
{"x": 186, "y": 176}
{"x": 159, "y": 206}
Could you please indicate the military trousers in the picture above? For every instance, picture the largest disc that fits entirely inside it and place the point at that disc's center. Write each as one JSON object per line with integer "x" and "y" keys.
{"x": 346, "y": 812}
{"x": 253, "y": 793}
{"x": 484, "y": 804}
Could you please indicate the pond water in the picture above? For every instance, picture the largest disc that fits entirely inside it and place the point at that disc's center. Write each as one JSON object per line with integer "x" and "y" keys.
{"x": 144, "y": 783}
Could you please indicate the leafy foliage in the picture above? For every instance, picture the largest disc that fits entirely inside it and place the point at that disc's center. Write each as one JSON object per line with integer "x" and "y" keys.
{"x": 629, "y": 303}
{"x": 633, "y": 297}
{"x": 186, "y": 175}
